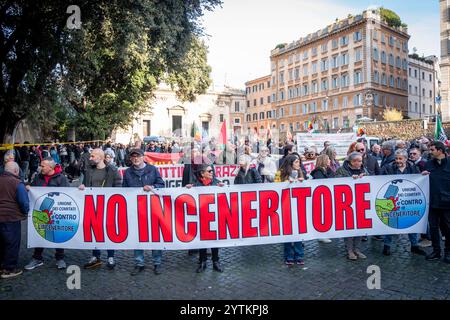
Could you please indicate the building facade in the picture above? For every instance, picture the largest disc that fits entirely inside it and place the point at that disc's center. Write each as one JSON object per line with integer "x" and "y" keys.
{"x": 169, "y": 117}
{"x": 423, "y": 81}
{"x": 356, "y": 67}
{"x": 259, "y": 112}
{"x": 445, "y": 59}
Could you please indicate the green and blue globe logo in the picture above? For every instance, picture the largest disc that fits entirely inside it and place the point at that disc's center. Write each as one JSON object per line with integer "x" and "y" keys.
{"x": 56, "y": 217}
{"x": 400, "y": 204}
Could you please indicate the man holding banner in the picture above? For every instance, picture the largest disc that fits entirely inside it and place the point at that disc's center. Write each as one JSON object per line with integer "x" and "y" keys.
{"x": 147, "y": 176}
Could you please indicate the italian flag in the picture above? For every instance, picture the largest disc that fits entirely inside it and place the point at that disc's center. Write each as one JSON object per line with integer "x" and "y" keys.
{"x": 439, "y": 133}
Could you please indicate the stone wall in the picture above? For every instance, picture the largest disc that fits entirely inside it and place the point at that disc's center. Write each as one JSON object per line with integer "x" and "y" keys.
{"x": 404, "y": 129}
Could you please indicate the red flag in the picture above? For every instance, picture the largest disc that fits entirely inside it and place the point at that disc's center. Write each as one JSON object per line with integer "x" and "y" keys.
{"x": 223, "y": 134}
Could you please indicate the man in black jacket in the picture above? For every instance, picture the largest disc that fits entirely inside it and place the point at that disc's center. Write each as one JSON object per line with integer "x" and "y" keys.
{"x": 387, "y": 149}
{"x": 369, "y": 161}
{"x": 50, "y": 176}
{"x": 98, "y": 174}
{"x": 439, "y": 217}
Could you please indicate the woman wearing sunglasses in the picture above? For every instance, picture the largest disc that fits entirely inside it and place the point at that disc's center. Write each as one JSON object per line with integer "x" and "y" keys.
{"x": 205, "y": 178}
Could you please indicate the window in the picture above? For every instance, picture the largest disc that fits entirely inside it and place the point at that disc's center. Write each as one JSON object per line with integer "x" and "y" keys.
{"x": 416, "y": 91}
{"x": 358, "y": 54}
{"x": 345, "y": 59}
{"x": 375, "y": 99}
{"x": 335, "y": 83}
{"x": 345, "y": 80}
{"x": 268, "y": 99}
{"x": 431, "y": 109}
{"x": 261, "y": 115}
{"x": 335, "y": 123}
{"x": 410, "y": 89}
{"x": 335, "y": 62}
{"x": 324, "y": 65}
{"x": 410, "y": 106}
{"x": 383, "y": 38}
{"x": 375, "y": 34}
{"x": 335, "y": 103}
{"x": 334, "y": 44}
{"x": 357, "y": 36}
{"x": 423, "y": 75}
{"x": 324, "y": 85}
{"x": 314, "y": 67}
{"x": 391, "y": 81}
{"x": 391, "y": 41}
{"x": 314, "y": 51}
{"x": 357, "y": 100}
{"x": 324, "y": 47}
{"x": 383, "y": 57}
{"x": 305, "y": 90}
{"x": 237, "y": 107}
{"x": 237, "y": 120}
{"x": 314, "y": 107}
{"x": 431, "y": 78}
{"x": 376, "y": 77}
{"x": 315, "y": 87}
{"x": 282, "y": 77}
{"x": 274, "y": 98}
{"x": 324, "y": 105}
{"x": 391, "y": 59}
{"x": 297, "y": 73}
{"x": 305, "y": 108}
{"x": 404, "y": 64}
{"x": 290, "y": 111}
{"x": 358, "y": 77}
{"x": 221, "y": 117}
{"x": 399, "y": 83}
{"x": 398, "y": 62}
{"x": 282, "y": 127}
{"x": 282, "y": 95}
{"x": 344, "y": 40}
{"x": 345, "y": 101}
{"x": 423, "y": 92}
{"x": 254, "y": 102}
{"x": 268, "y": 84}
{"x": 297, "y": 126}
{"x": 249, "y": 118}
{"x": 297, "y": 109}
{"x": 383, "y": 79}
{"x": 409, "y": 72}
{"x": 281, "y": 112}
{"x": 416, "y": 107}
{"x": 290, "y": 74}
{"x": 305, "y": 55}
{"x": 255, "y": 116}
{"x": 431, "y": 94}
{"x": 375, "y": 54}
{"x": 305, "y": 70}
{"x": 415, "y": 73}
{"x": 345, "y": 122}
{"x": 261, "y": 101}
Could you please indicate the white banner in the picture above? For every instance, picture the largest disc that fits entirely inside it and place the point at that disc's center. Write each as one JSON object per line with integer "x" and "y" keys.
{"x": 205, "y": 217}
{"x": 340, "y": 141}
{"x": 172, "y": 174}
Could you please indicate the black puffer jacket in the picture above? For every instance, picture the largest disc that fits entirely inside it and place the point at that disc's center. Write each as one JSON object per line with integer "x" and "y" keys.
{"x": 321, "y": 173}
{"x": 393, "y": 169}
{"x": 252, "y": 176}
{"x": 439, "y": 183}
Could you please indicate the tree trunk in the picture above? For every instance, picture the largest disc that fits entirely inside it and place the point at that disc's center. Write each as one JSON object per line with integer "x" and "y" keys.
{"x": 9, "y": 122}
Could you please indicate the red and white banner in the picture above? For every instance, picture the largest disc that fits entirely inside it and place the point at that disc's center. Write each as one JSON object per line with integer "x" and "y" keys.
{"x": 240, "y": 215}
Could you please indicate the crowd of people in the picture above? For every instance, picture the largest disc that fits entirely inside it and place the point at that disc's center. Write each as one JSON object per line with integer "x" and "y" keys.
{"x": 97, "y": 166}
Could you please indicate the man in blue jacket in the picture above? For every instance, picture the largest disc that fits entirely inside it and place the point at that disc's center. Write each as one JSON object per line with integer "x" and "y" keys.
{"x": 144, "y": 176}
{"x": 14, "y": 206}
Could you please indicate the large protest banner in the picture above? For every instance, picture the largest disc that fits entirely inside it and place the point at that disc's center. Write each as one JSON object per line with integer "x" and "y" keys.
{"x": 205, "y": 217}
{"x": 340, "y": 141}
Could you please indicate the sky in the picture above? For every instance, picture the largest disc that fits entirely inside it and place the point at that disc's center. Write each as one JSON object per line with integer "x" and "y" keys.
{"x": 241, "y": 34}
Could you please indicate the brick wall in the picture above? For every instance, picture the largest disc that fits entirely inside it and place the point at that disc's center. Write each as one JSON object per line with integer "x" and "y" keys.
{"x": 405, "y": 129}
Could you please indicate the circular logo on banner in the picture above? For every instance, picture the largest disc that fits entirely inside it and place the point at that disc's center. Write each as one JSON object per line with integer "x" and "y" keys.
{"x": 400, "y": 204}
{"x": 56, "y": 217}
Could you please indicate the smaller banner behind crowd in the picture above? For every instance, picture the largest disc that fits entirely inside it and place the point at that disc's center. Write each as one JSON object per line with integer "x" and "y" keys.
{"x": 205, "y": 217}
{"x": 339, "y": 141}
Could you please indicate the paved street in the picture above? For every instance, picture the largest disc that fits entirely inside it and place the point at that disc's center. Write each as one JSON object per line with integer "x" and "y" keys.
{"x": 253, "y": 272}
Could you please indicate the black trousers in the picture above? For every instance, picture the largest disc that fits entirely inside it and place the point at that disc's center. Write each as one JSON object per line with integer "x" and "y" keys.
{"x": 440, "y": 219}
{"x": 203, "y": 255}
{"x": 10, "y": 234}
{"x": 59, "y": 254}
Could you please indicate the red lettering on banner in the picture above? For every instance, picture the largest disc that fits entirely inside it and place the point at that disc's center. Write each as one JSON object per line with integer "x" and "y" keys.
{"x": 142, "y": 211}
{"x": 93, "y": 218}
{"x": 286, "y": 211}
{"x": 165, "y": 174}
{"x": 228, "y": 215}
{"x": 117, "y": 208}
{"x": 248, "y": 214}
{"x": 322, "y": 203}
{"x": 218, "y": 171}
{"x": 268, "y": 207}
{"x": 362, "y": 205}
{"x": 173, "y": 169}
{"x": 191, "y": 209}
{"x": 180, "y": 172}
{"x": 301, "y": 194}
{"x": 206, "y": 216}
{"x": 343, "y": 197}
{"x": 161, "y": 218}
{"x": 235, "y": 171}
{"x": 226, "y": 171}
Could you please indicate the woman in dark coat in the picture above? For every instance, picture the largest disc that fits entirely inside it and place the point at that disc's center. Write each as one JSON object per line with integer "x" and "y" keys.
{"x": 205, "y": 178}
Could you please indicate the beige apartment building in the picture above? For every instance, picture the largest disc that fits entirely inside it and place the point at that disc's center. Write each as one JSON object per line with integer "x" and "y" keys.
{"x": 259, "y": 111}
{"x": 356, "y": 67}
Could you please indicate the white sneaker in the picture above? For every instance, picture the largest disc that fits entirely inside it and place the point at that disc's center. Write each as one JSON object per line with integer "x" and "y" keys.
{"x": 425, "y": 243}
{"x": 111, "y": 263}
{"x": 360, "y": 255}
{"x": 326, "y": 240}
{"x": 60, "y": 264}
{"x": 34, "y": 264}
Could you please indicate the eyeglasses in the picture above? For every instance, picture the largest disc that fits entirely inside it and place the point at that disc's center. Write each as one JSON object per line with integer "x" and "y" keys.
{"x": 413, "y": 153}
{"x": 210, "y": 171}
{"x": 360, "y": 150}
